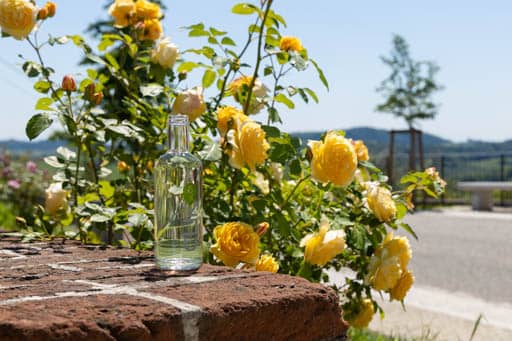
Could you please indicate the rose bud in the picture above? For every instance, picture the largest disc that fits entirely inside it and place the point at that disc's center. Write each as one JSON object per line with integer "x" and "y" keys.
{"x": 68, "y": 83}
{"x": 89, "y": 91}
{"x": 42, "y": 14}
{"x": 123, "y": 166}
{"x": 97, "y": 98}
{"x": 51, "y": 7}
{"x": 261, "y": 228}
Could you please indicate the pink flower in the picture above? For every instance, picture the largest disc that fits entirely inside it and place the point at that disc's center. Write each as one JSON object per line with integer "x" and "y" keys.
{"x": 31, "y": 166}
{"x": 14, "y": 184}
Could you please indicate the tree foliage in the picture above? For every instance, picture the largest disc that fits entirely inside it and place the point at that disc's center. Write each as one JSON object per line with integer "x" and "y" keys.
{"x": 409, "y": 88}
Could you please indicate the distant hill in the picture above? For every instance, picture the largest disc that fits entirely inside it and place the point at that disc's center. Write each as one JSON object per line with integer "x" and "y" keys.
{"x": 377, "y": 141}
{"x": 34, "y": 148}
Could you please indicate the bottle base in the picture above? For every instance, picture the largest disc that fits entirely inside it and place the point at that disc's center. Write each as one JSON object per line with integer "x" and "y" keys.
{"x": 177, "y": 264}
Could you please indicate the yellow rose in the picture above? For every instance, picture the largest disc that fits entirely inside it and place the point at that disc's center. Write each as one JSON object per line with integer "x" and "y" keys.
{"x": 122, "y": 11}
{"x": 384, "y": 272}
{"x": 389, "y": 263}
{"x": 433, "y": 174}
{"x": 334, "y": 160}
{"x": 398, "y": 247}
{"x": 267, "y": 263}
{"x": 236, "y": 242}
{"x": 165, "y": 53}
{"x": 229, "y": 117}
{"x": 248, "y": 145}
{"x": 399, "y": 291}
{"x": 323, "y": 245}
{"x": 239, "y": 88}
{"x": 56, "y": 199}
{"x": 190, "y": 103}
{"x": 147, "y": 10}
{"x": 288, "y": 43}
{"x": 17, "y": 17}
{"x": 361, "y": 150}
{"x": 151, "y": 30}
{"x": 363, "y": 316}
{"x": 381, "y": 203}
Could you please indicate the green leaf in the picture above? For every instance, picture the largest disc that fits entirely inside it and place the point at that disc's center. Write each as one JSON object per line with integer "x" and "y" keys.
{"x": 312, "y": 94}
{"x": 32, "y": 69}
{"x": 105, "y": 43}
{"x": 320, "y": 74}
{"x": 96, "y": 59}
{"x": 281, "y": 98}
{"x": 68, "y": 122}
{"x": 42, "y": 86}
{"x": 151, "y": 90}
{"x": 295, "y": 167}
{"x": 37, "y": 124}
{"x": 187, "y": 66}
{"x": 99, "y": 218}
{"x": 190, "y": 193}
{"x": 53, "y": 162}
{"x": 244, "y": 9}
{"x": 228, "y": 41}
{"x": 408, "y": 228}
{"x": 217, "y": 32}
{"x": 44, "y": 104}
{"x": 112, "y": 60}
{"x": 198, "y": 33}
{"x": 66, "y": 153}
{"x": 271, "y": 131}
{"x": 208, "y": 78}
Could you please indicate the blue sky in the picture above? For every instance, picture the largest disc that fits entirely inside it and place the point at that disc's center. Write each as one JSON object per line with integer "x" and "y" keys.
{"x": 470, "y": 40}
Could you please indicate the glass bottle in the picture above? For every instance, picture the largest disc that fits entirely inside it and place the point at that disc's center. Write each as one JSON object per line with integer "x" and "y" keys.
{"x": 178, "y": 202}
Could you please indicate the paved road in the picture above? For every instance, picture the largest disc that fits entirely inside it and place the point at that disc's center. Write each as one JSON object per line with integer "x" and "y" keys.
{"x": 468, "y": 252}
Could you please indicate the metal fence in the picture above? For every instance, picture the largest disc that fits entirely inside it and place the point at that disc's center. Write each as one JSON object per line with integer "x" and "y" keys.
{"x": 455, "y": 167}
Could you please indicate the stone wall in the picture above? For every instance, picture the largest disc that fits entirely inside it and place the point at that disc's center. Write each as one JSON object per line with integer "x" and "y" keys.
{"x": 67, "y": 291}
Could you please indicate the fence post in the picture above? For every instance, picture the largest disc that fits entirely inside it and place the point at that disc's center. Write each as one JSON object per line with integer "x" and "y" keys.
{"x": 391, "y": 156}
{"x": 442, "y": 176}
{"x": 502, "y": 178}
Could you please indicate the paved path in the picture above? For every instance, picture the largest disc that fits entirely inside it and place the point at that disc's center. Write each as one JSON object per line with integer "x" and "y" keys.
{"x": 463, "y": 268}
{"x": 467, "y": 252}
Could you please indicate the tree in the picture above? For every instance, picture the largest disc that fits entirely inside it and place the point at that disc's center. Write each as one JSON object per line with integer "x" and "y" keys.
{"x": 409, "y": 88}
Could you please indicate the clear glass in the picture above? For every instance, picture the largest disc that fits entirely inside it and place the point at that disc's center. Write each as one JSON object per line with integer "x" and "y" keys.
{"x": 178, "y": 203}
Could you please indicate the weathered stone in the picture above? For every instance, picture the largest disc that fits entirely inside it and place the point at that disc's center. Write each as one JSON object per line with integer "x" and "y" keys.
{"x": 65, "y": 291}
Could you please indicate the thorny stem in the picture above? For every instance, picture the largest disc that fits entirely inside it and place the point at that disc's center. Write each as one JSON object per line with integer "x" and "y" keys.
{"x": 225, "y": 80}
{"x": 258, "y": 57}
{"x": 45, "y": 75}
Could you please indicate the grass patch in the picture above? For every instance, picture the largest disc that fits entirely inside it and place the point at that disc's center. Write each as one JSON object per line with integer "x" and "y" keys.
{"x": 368, "y": 335}
{"x": 7, "y": 218}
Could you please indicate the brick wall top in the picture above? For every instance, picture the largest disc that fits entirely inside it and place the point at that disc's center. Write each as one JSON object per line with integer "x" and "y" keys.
{"x": 68, "y": 291}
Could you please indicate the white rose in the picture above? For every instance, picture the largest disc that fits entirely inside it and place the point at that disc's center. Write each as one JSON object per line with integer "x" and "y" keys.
{"x": 259, "y": 92}
{"x": 56, "y": 199}
{"x": 276, "y": 170}
{"x": 190, "y": 103}
{"x": 165, "y": 53}
{"x": 260, "y": 182}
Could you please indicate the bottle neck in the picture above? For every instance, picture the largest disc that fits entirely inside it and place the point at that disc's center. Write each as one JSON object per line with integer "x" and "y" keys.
{"x": 178, "y": 133}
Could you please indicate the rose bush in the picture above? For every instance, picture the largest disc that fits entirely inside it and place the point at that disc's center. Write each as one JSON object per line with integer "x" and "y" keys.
{"x": 271, "y": 203}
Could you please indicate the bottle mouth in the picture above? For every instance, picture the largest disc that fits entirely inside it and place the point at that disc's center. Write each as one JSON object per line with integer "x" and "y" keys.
{"x": 178, "y": 119}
